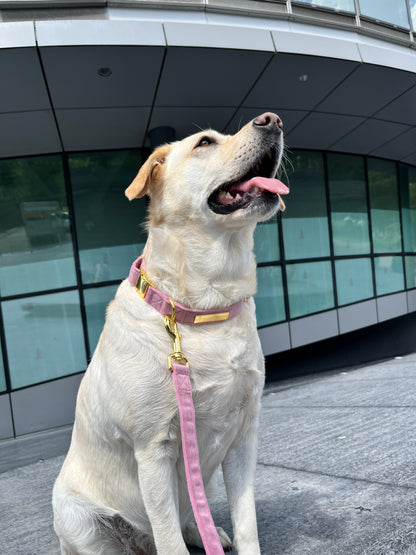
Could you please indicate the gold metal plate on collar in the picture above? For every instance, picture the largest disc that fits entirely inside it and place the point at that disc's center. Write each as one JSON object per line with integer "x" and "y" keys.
{"x": 143, "y": 284}
{"x": 205, "y": 318}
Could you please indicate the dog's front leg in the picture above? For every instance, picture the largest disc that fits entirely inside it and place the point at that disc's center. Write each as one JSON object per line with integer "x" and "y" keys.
{"x": 238, "y": 469}
{"x": 159, "y": 487}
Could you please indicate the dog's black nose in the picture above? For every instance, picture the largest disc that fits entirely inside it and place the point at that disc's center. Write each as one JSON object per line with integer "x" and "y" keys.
{"x": 269, "y": 120}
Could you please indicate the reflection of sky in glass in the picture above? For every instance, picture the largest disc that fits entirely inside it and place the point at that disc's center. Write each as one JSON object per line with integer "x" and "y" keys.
{"x": 354, "y": 280}
{"x": 310, "y": 288}
{"x": 2, "y": 378}
{"x": 389, "y": 274}
{"x": 343, "y": 5}
{"x": 44, "y": 337}
{"x": 413, "y": 12}
{"x": 96, "y": 302}
{"x": 36, "y": 251}
{"x": 266, "y": 242}
{"x": 391, "y": 11}
{"x": 270, "y": 305}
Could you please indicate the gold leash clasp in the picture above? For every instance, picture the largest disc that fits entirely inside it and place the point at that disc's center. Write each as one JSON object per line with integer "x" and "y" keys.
{"x": 172, "y": 328}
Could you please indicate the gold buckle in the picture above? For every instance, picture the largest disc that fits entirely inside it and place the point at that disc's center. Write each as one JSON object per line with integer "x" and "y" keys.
{"x": 172, "y": 328}
{"x": 143, "y": 283}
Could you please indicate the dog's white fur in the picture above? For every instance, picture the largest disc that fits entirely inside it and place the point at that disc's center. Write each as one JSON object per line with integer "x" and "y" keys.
{"x": 122, "y": 487}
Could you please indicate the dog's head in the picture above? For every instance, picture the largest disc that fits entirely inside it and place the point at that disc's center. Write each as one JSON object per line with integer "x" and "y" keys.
{"x": 230, "y": 178}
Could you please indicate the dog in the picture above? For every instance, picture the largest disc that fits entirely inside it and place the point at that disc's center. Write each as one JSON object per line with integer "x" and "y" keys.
{"x": 122, "y": 487}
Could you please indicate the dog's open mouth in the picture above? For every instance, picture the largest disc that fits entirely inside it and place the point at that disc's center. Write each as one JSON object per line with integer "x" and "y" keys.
{"x": 256, "y": 183}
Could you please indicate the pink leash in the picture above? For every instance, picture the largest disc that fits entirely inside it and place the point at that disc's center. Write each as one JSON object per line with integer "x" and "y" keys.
{"x": 200, "y": 507}
{"x": 179, "y": 367}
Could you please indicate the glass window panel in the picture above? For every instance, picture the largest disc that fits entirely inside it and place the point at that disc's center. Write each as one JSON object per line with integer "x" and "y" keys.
{"x": 413, "y": 12}
{"x": 390, "y": 11}
{"x": 354, "y": 280}
{"x": 384, "y": 206}
{"x": 305, "y": 220}
{"x": 408, "y": 202}
{"x": 349, "y": 211}
{"x": 342, "y": 5}
{"x": 310, "y": 288}
{"x": 389, "y": 274}
{"x": 96, "y": 302}
{"x": 270, "y": 305}
{"x": 44, "y": 337}
{"x": 410, "y": 263}
{"x": 266, "y": 241}
{"x": 2, "y": 377}
{"x": 35, "y": 241}
{"x": 110, "y": 229}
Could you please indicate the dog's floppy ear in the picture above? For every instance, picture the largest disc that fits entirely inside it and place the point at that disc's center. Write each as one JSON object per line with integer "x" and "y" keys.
{"x": 148, "y": 173}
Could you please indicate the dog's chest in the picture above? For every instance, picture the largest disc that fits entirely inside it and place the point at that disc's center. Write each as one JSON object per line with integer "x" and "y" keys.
{"x": 226, "y": 369}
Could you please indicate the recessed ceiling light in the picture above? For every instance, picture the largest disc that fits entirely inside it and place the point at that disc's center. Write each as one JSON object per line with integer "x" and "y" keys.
{"x": 104, "y": 71}
{"x": 303, "y": 78}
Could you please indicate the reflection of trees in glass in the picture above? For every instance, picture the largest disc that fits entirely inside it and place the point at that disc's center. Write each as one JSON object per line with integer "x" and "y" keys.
{"x": 29, "y": 179}
{"x": 384, "y": 205}
{"x": 103, "y": 215}
{"x": 407, "y": 177}
{"x": 349, "y": 211}
{"x": 33, "y": 202}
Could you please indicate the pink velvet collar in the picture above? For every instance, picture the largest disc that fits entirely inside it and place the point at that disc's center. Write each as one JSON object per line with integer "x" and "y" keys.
{"x": 162, "y": 303}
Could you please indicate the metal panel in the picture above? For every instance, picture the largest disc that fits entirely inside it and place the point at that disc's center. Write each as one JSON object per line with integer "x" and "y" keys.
{"x": 298, "y": 82}
{"x": 275, "y": 339}
{"x": 6, "y": 424}
{"x": 147, "y": 12}
{"x": 369, "y": 136}
{"x": 246, "y": 20}
{"x": 45, "y": 406}
{"x": 411, "y": 300}
{"x": 391, "y": 56}
{"x": 313, "y": 43}
{"x": 403, "y": 109}
{"x": 74, "y": 79}
{"x": 314, "y": 328}
{"x": 357, "y": 316}
{"x": 391, "y": 306}
{"x": 103, "y": 128}
{"x": 218, "y": 36}
{"x": 99, "y": 32}
{"x": 364, "y": 92}
{"x": 208, "y": 76}
{"x": 26, "y": 133}
{"x": 32, "y": 448}
{"x": 319, "y": 131}
{"x": 400, "y": 147}
{"x": 22, "y": 85}
{"x": 17, "y": 34}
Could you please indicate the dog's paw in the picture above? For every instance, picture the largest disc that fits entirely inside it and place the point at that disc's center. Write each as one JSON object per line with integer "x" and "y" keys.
{"x": 192, "y": 536}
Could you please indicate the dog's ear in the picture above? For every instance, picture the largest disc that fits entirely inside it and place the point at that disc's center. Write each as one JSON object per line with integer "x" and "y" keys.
{"x": 148, "y": 173}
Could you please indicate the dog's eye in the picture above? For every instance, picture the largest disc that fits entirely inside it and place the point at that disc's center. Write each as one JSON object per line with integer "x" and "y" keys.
{"x": 205, "y": 141}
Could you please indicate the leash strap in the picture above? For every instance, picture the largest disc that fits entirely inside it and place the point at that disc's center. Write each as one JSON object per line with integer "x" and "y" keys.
{"x": 203, "y": 517}
{"x": 179, "y": 367}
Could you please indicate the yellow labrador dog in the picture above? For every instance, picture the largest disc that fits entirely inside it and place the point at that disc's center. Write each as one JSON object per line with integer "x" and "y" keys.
{"x": 122, "y": 487}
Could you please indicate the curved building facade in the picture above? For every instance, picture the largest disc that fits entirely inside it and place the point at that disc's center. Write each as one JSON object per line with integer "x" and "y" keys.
{"x": 83, "y": 87}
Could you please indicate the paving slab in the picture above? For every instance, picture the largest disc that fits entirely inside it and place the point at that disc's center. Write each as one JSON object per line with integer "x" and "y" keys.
{"x": 336, "y": 469}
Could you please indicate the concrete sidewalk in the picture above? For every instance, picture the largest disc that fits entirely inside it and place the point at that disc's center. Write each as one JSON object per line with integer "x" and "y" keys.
{"x": 336, "y": 470}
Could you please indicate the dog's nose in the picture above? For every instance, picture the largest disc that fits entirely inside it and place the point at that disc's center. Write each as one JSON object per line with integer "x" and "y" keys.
{"x": 269, "y": 120}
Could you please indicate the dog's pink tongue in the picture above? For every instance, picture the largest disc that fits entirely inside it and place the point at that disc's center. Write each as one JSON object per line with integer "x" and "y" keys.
{"x": 266, "y": 183}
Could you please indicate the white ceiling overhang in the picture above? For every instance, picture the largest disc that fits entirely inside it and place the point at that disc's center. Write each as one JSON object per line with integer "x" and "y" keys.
{"x": 335, "y": 90}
